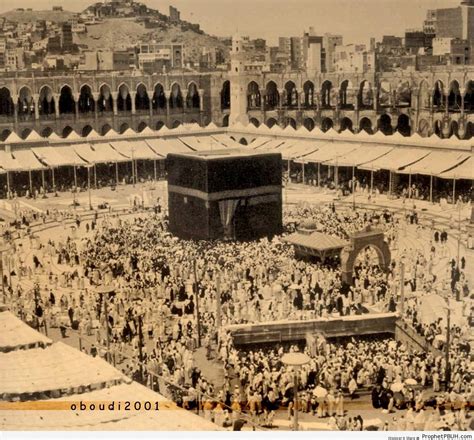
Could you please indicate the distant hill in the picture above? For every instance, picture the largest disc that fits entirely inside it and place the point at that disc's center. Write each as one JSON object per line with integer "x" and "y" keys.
{"x": 30, "y": 16}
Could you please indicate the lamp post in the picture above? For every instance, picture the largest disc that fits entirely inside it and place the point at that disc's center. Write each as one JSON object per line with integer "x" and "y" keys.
{"x": 89, "y": 186}
{"x": 447, "y": 377}
{"x": 104, "y": 292}
{"x": 3, "y": 248}
{"x": 295, "y": 360}
{"x": 353, "y": 192}
{"x": 460, "y": 206}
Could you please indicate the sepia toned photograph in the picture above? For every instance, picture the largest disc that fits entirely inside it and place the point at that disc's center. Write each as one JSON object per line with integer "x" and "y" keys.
{"x": 237, "y": 215}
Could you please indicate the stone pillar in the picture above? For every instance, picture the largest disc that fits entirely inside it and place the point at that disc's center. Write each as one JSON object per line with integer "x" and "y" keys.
{"x": 115, "y": 102}
{"x": 446, "y": 96}
{"x": 36, "y": 101}
{"x": 15, "y": 107}
{"x": 462, "y": 92}
{"x": 150, "y": 103}
{"x": 56, "y": 104}
{"x": 168, "y": 97}
{"x": 201, "y": 106}
{"x": 95, "y": 97}
{"x": 356, "y": 100}
{"x": 76, "y": 104}
{"x": 262, "y": 105}
{"x": 375, "y": 105}
{"x": 133, "y": 96}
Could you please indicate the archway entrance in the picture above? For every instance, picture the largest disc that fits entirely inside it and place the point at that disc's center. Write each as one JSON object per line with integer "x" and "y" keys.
{"x": 359, "y": 241}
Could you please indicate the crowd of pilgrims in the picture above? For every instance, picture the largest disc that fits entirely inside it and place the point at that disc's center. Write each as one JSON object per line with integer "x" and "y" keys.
{"x": 154, "y": 276}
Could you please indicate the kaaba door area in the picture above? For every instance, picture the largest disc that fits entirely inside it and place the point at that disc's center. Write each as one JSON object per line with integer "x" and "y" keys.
{"x": 224, "y": 194}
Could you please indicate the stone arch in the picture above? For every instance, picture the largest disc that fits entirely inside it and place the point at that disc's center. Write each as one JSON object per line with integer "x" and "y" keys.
{"x": 176, "y": 123}
{"x": 404, "y": 125}
{"x": 346, "y": 124}
{"x": 24, "y": 133}
{"x": 141, "y": 126}
{"x": 255, "y": 122}
{"x": 346, "y": 97}
{"x": 403, "y": 94}
{"x": 26, "y": 103}
{"x": 385, "y": 124}
{"x": 454, "y": 129}
{"x": 243, "y": 141}
{"x": 105, "y": 129}
{"x": 367, "y": 238}
{"x": 454, "y": 97}
{"x": 6, "y": 102}
{"x": 46, "y": 132}
{"x": 438, "y": 96}
{"x": 423, "y": 128}
{"x": 469, "y": 97}
{"x": 469, "y": 130}
{"x": 66, "y": 131}
{"x": 5, "y": 133}
{"x": 308, "y": 90}
{"x": 192, "y": 98}
{"x": 290, "y": 122}
{"x": 123, "y": 128}
{"x": 438, "y": 127}
{"x": 290, "y": 99}
{"x": 67, "y": 104}
{"x": 309, "y": 124}
{"x": 365, "y": 96}
{"x": 86, "y": 100}
{"x": 176, "y": 97}
{"x": 86, "y": 130}
{"x": 385, "y": 94}
{"x": 365, "y": 124}
{"x": 159, "y": 125}
{"x": 159, "y": 97}
{"x": 142, "y": 101}
{"x": 124, "y": 100}
{"x": 105, "y": 102}
{"x": 225, "y": 95}
{"x": 254, "y": 97}
{"x": 326, "y": 89}
{"x": 225, "y": 121}
{"x": 46, "y": 102}
{"x": 272, "y": 97}
{"x": 327, "y": 124}
{"x": 424, "y": 95}
{"x": 271, "y": 122}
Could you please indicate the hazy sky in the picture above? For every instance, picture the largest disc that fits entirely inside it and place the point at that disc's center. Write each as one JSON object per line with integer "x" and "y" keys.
{"x": 356, "y": 20}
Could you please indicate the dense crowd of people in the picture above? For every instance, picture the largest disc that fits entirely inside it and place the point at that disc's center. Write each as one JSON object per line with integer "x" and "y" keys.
{"x": 159, "y": 283}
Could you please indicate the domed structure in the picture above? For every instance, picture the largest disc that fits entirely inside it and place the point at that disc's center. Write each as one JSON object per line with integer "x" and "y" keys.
{"x": 307, "y": 226}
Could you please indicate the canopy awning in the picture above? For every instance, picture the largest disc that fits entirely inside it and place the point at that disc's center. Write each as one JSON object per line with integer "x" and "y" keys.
{"x": 361, "y": 155}
{"x": 164, "y": 147}
{"x": 329, "y": 151}
{"x": 106, "y": 154}
{"x": 396, "y": 159}
{"x": 27, "y": 160}
{"x": 55, "y": 367}
{"x": 85, "y": 152}
{"x": 194, "y": 143}
{"x": 316, "y": 242}
{"x": 273, "y": 144}
{"x": 67, "y": 151}
{"x": 301, "y": 148}
{"x": 8, "y": 162}
{"x": 51, "y": 156}
{"x": 16, "y": 335}
{"x": 226, "y": 141}
{"x": 135, "y": 149}
{"x": 464, "y": 170}
{"x": 436, "y": 163}
{"x": 259, "y": 142}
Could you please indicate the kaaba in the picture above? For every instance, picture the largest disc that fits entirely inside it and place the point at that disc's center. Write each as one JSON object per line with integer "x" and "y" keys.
{"x": 231, "y": 194}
